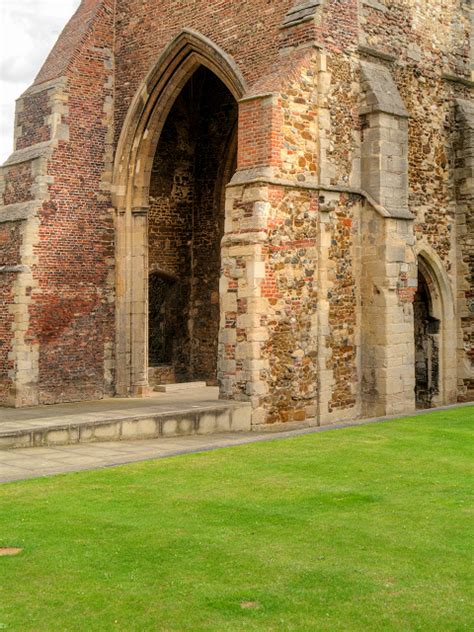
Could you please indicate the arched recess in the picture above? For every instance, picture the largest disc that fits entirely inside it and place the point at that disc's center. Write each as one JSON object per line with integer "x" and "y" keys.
{"x": 435, "y": 333}
{"x": 134, "y": 161}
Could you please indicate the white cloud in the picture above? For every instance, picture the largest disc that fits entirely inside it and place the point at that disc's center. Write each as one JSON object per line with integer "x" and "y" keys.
{"x": 28, "y": 31}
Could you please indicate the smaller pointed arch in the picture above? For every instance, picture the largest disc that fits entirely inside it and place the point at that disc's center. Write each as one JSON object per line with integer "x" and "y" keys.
{"x": 151, "y": 106}
{"x": 431, "y": 266}
{"x": 435, "y": 332}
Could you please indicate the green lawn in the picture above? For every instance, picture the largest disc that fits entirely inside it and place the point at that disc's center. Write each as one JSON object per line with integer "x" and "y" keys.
{"x": 366, "y": 528}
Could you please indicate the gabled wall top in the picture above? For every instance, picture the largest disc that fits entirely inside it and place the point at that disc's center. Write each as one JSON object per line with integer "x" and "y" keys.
{"x": 69, "y": 41}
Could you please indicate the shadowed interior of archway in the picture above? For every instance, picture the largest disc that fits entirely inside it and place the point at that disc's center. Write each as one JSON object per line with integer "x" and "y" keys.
{"x": 427, "y": 346}
{"x": 194, "y": 160}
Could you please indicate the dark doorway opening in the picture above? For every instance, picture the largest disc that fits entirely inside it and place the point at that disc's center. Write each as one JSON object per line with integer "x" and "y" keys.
{"x": 427, "y": 346}
{"x": 194, "y": 160}
{"x": 162, "y": 303}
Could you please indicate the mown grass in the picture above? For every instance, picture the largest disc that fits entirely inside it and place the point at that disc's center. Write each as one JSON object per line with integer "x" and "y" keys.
{"x": 365, "y": 528}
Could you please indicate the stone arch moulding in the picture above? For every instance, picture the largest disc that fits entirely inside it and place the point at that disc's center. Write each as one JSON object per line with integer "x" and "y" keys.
{"x": 130, "y": 191}
{"x": 153, "y": 101}
{"x": 442, "y": 305}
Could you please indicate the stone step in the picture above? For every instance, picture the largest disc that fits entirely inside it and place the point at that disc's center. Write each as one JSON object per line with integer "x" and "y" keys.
{"x": 126, "y": 425}
{"x": 177, "y": 387}
{"x": 162, "y": 374}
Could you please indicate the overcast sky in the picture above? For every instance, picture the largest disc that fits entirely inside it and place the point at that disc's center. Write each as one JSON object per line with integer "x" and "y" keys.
{"x": 28, "y": 30}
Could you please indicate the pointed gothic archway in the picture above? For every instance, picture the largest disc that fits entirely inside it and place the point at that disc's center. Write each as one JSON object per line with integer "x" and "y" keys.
{"x": 159, "y": 175}
{"x": 434, "y": 334}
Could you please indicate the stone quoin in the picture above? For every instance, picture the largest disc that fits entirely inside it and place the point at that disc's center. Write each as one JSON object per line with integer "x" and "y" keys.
{"x": 271, "y": 196}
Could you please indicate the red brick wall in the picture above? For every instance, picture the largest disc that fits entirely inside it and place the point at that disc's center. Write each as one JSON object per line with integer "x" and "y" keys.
{"x": 339, "y": 25}
{"x": 73, "y": 316}
{"x": 260, "y": 135}
{"x": 248, "y": 30}
{"x": 64, "y": 53}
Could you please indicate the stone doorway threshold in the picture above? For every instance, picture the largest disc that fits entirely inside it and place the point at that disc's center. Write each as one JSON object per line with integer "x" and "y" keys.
{"x": 190, "y": 412}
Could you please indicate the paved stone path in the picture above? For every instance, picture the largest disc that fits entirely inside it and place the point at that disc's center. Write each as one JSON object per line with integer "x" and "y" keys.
{"x": 26, "y": 463}
{"x": 19, "y": 464}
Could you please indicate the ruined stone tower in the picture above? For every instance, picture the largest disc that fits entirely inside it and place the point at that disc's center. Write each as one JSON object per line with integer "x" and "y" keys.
{"x": 275, "y": 196}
